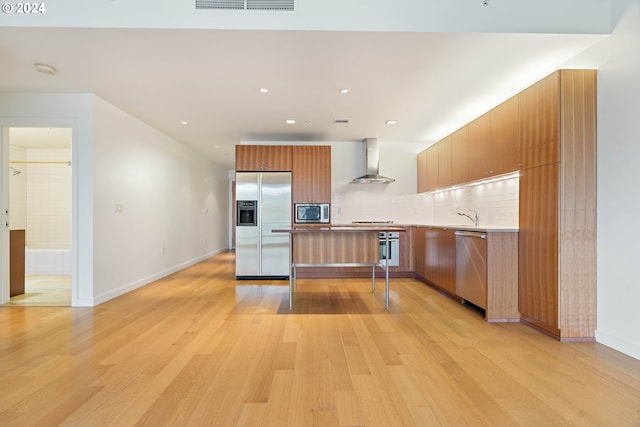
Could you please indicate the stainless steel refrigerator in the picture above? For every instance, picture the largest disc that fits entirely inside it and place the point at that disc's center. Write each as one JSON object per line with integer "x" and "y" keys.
{"x": 263, "y": 202}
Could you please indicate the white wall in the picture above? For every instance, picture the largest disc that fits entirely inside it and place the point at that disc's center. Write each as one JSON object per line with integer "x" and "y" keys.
{"x": 618, "y": 176}
{"x": 173, "y": 203}
{"x": 397, "y": 160}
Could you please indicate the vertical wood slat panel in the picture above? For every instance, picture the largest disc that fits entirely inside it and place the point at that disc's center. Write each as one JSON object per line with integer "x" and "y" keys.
{"x": 577, "y": 264}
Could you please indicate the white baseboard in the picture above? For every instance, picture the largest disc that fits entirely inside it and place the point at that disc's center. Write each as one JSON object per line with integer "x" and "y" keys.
{"x": 618, "y": 343}
{"x": 145, "y": 281}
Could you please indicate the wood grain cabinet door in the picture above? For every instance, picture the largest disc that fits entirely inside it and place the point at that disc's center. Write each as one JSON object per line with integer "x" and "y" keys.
{"x": 538, "y": 246}
{"x": 432, "y": 168}
{"x": 479, "y": 147}
{"x": 460, "y": 155}
{"x": 504, "y": 138}
{"x": 311, "y": 174}
{"x": 422, "y": 171}
{"x": 539, "y": 117}
{"x": 445, "y": 170}
{"x": 263, "y": 158}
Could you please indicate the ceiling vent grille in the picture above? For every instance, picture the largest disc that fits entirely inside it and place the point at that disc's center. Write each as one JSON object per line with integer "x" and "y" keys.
{"x": 275, "y": 5}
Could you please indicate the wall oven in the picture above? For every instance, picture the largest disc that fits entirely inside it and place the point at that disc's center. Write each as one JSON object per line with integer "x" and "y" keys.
{"x": 394, "y": 247}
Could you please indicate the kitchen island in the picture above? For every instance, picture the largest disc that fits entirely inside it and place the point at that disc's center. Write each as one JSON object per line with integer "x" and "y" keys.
{"x": 342, "y": 246}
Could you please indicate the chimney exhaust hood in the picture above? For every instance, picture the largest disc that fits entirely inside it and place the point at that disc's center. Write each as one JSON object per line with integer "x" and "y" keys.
{"x": 372, "y": 162}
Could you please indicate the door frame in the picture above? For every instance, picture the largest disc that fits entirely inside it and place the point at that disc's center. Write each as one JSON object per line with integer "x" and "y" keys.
{"x": 4, "y": 200}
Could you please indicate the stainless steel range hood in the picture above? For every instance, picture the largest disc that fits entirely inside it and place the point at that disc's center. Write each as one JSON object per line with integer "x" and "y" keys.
{"x": 372, "y": 164}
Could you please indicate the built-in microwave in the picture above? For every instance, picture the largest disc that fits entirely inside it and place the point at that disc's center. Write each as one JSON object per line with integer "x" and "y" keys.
{"x": 318, "y": 213}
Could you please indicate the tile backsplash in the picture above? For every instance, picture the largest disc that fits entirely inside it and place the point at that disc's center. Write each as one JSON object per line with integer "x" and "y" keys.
{"x": 495, "y": 202}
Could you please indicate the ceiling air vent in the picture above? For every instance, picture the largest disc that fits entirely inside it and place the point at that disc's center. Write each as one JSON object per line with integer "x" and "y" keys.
{"x": 342, "y": 121}
{"x": 276, "y": 5}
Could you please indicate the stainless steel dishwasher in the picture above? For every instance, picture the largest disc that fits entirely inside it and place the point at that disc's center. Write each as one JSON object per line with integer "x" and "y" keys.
{"x": 471, "y": 267}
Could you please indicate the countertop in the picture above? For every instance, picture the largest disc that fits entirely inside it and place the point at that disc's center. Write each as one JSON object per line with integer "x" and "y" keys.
{"x": 389, "y": 227}
{"x": 446, "y": 227}
{"x": 342, "y": 228}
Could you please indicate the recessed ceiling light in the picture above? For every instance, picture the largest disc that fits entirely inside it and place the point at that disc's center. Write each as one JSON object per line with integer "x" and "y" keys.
{"x": 184, "y": 122}
{"x": 344, "y": 91}
{"x": 45, "y": 69}
{"x": 291, "y": 122}
{"x": 264, "y": 90}
{"x": 391, "y": 122}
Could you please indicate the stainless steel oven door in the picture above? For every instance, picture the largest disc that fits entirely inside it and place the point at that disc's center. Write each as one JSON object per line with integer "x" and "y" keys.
{"x": 394, "y": 248}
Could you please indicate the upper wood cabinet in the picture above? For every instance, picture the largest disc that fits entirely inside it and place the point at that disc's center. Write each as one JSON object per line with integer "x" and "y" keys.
{"x": 422, "y": 171}
{"x": 428, "y": 165}
{"x": 539, "y": 118}
{"x": 503, "y": 137}
{"x": 460, "y": 155}
{"x": 432, "y": 168}
{"x": 311, "y": 174}
{"x": 263, "y": 158}
{"x": 445, "y": 164}
{"x": 479, "y": 147}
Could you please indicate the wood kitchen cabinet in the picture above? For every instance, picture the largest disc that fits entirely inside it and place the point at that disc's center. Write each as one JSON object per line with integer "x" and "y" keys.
{"x": 435, "y": 256}
{"x": 422, "y": 171}
{"x": 445, "y": 164}
{"x": 460, "y": 155}
{"x": 263, "y": 158}
{"x": 539, "y": 122}
{"x": 431, "y": 183}
{"x": 434, "y": 251}
{"x": 557, "y": 245}
{"x": 311, "y": 174}
{"x": 479, "y": 134}
{"x": 503, "y": 138}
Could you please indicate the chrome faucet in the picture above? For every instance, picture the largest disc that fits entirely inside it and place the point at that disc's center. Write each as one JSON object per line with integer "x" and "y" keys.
{"x": 473, "y": 218}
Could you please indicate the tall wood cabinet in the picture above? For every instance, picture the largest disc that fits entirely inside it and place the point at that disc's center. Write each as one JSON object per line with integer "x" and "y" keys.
{"x": 557, "y": 244}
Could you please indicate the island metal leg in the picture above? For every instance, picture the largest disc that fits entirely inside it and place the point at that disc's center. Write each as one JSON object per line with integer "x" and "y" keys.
{"x": 291, "y": 272}
{"x": 386, "y": 272}
{"x": 373, "y": 278}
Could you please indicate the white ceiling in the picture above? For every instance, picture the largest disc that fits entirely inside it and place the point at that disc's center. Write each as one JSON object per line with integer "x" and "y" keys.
{"x": 431, "y": 82}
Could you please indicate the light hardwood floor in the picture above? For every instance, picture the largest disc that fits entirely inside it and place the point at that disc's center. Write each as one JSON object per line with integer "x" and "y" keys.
{"x": 201, "y": 349}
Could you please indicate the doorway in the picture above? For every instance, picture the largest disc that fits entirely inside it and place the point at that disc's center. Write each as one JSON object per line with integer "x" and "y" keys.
{"x": 39, "y": 172}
